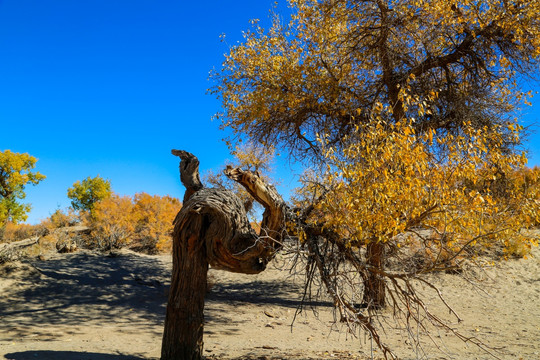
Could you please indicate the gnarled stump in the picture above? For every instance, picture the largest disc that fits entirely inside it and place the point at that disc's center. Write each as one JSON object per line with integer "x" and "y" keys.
{"x": 213, "y": 228}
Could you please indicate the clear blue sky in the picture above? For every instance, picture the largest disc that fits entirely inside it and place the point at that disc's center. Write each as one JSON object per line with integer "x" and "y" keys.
{"x": 109, "y": 87}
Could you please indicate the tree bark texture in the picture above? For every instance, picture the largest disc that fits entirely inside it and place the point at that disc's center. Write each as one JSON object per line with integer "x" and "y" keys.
{"x": 12, "y": 251}
{"x": 374, "y": 285}
{"x": 212, "y": 228}
{"x": 183, "y": 334}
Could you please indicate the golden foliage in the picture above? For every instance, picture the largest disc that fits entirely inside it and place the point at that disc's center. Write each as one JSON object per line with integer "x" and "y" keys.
{"x": 337, "y": 63}
{"x": 144, "y": 221}
{"x": 60, "y": 218}
{"x": 112, "y": 222}
{"x": 389, "y": 182}
{"x": 425, "y": 202}
{"x": 154, "y": 220}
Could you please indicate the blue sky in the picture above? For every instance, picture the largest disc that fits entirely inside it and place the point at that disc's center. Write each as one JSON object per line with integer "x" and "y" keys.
{"x": 109, "y": 87}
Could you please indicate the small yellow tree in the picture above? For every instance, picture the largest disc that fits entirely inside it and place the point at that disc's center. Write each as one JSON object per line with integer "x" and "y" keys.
{"x": 144, "y": 221}
{"x": 85, "y": 194}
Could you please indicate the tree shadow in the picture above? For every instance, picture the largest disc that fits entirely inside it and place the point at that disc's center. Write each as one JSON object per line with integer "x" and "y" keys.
{"x": 67, "y": 355}
{"x": 229, "y": 297}
{"x": 87, "y": 287}
{"x": 258, "y": 292}
{"x": 69, "y": 293}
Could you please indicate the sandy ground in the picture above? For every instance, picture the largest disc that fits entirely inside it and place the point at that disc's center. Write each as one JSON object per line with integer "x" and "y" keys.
{"x": 87, "y": 306}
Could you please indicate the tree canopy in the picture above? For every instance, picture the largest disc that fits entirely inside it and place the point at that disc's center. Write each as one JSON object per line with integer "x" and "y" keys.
{"x": 15, "y": 173}
{"x": 340, "y": 63}
{"x": 85, "y": 194}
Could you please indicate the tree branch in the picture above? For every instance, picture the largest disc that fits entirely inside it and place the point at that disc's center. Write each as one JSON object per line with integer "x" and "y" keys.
{"x": 189, "y": 172}
{"x": 275, "y": 214}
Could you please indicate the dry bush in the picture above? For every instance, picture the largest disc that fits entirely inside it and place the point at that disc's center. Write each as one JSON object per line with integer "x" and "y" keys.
{"x": 13, "y": 232}
{"x": 48, "y": 243}
{"x": 60, "y": 219}
{"x": 55, "y": 234}
{"x": 112, "y": 223}
{"x": 143, "y": 222}
{"x": 22, "y": 241}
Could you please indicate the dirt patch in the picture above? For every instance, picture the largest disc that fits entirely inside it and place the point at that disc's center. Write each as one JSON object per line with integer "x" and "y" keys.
{"x": 91, "y": 306}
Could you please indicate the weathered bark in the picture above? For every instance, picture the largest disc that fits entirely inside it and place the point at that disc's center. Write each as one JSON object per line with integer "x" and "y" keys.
{"x": 12, "y": 251}
{"x": 212, "y": 228}
{"x": 189, "y": 172}
{"x": 374, "y": 286}
{"x": 183, "y": 333}
{"x": 275, "y": 213}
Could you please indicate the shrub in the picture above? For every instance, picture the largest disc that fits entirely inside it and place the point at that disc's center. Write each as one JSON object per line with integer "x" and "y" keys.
{"x": 112, "y": 222}
{"x": 60, "y": 219}
{"x": 143, "y": 222}
{"x": 13, "y": 232}
{"x": 155, "y": 215}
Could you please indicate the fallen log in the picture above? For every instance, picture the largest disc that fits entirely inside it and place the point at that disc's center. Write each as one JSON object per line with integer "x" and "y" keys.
{"x": 12, "y": 251}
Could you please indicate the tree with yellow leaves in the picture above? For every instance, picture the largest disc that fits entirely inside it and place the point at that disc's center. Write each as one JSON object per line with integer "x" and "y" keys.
{"x": 154, "y": 217}
{"x": 85, "y": 194}
{"x": 340, "y": 63}
{"x": 15, "y": 173}
{"x": 395, "y": 212}
{"x": 112, "y": 221}
{"x": 404, "y": 106}
{"x": 144, "y": 221}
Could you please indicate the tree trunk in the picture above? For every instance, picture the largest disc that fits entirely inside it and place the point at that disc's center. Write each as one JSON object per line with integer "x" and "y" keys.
{"x": 212, "y": 228}
{"x": 374, "y": 286}
{"x": 183, "y": 334}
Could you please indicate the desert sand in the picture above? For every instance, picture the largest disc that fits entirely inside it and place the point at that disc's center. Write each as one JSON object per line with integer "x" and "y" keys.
{"x": 85, "y": 305}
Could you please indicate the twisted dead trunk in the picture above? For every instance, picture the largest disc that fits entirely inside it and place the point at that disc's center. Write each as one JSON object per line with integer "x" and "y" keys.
{"x": 183, "y": 333}
{"x": 212, "y": 228}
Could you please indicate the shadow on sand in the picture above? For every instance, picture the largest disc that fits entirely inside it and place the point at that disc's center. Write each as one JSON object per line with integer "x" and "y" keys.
{"x": 258, "y": 292}
{"x": 66, "y": 295}
{"x": 127, "y": 290}
{"x": 86, "y": 287}
{"x": 67, "y": 355}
